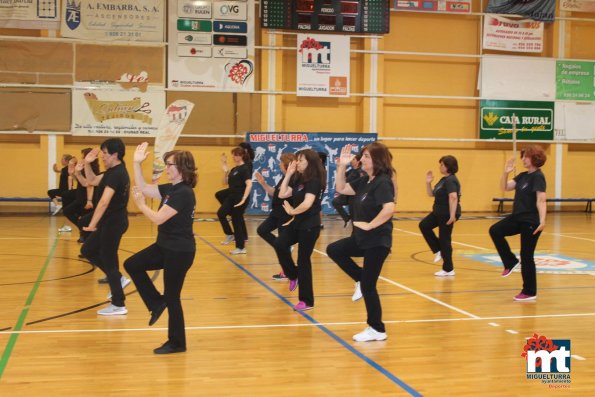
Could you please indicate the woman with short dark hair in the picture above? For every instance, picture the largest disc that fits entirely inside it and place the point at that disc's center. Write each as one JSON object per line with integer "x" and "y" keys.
{"x": 527, "y": 218}
{"x": 445, "y": 212}
{"x": 175, "y": 247}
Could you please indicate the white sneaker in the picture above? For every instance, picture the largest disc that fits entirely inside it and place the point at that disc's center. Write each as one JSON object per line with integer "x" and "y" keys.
{"x": 437, "y": 257}
{"x": 124, "y": 281}
{"x": 443, "y": 273}
{"x": 65, "y": 229}
{"x": 58, "y": 208}
{"x": 357, "y": 293}
{"x": 238, "y": 251}
{"x": 112, "y": 310}
{"x": 368, "y": 335}
{"x": 229, "y": 238}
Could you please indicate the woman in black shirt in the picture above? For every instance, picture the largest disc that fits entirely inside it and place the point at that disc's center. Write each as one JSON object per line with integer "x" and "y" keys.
{"x": 175, "y": 247}
{"x": 277, "y": 217}
{"x": 373, "y": 208}
{"x": 527, "y": 218}
{"x": 234, "y": 199}
{"x": 305, "y": 191}
{"x": 445, "y": 212}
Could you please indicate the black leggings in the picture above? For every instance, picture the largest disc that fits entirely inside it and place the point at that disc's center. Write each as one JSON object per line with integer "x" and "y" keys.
{"x": 101, "y": 249}
{"x": 443, "y": 242}
{"x": 175, "y": 265}
{"x": 509, "y": 226}
{"x": 306, "y": 239}
{"x": 228, "y": 201}
{"x": 341, "y": 253}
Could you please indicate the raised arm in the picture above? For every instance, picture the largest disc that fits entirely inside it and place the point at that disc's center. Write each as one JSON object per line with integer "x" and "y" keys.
{"x": 267, "y": 188}
{"x": 285, "y": 191}
{"x": 429, "y": 180}
{"x": 505, "y": 184}
{"x": 341, "y": 186}
{"x": 89, "y": 174}
{"x": 140, "y": 155}
{"x": 225, "y": 168}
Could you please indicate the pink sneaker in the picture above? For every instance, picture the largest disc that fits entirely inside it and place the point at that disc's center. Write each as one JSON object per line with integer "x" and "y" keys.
{"x": 293, "y": 285}
{"x": 506, "y": 272}
{"x": 302, "y": 307}
{"x": 525, "y": 297}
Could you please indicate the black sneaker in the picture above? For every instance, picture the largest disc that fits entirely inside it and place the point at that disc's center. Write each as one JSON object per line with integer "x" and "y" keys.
{"x": 103, "y": 280}
{"x": 279, "y": 277}
{"x": 168, "y": 348}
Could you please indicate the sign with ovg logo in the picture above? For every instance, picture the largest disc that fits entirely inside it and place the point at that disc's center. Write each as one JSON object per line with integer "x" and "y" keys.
{"x": 533, "y": 120}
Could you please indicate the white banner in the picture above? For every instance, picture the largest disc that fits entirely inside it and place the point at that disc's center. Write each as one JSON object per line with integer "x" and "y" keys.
{"x": 211, "y": 45}
{"x": 113, "y": 20}
{"x": 577, "y": 5}
{"x": 116, "y": 113}
{"x": 40, "y": 14}
{"x": 322, "y": 65}
{"x": 505, "y": 34}
{"x": 170, "y": 128}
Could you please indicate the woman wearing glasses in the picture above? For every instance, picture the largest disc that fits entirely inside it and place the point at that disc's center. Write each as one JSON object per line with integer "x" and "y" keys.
{"x": 175, "y": 247}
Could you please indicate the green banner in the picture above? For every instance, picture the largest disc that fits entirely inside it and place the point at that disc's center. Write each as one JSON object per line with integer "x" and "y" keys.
{"x": 575, "y": 80}
{"x": 534, "y": 120}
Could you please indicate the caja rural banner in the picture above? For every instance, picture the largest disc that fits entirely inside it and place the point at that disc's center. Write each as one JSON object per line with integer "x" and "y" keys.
{"x": 113, "y": 20}
{"x": 116, "y": 113}
{"x": 534, "y": 120}
{"x": 268, "y": 148}
{"x": 505, "y": 34}
{"x": 539, "y": 10}
{"x": 211, "y": 45}
{"x": 322, "y": 65}
{"x": 39, "y": 14}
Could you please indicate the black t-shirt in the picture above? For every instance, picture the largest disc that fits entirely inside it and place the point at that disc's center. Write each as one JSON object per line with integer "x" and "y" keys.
{"x": 353, "y": 174}
{"x": 448, "y": 184}
{"x": 63, "y": 184}
{"x": 277, "y": 209}
{"x": 367, "y": 204}
{"x": 176, "y": 233}
{"x": 237, "y": 178}
{"x": 525, "y": 195}
{"x": 310, "y": 218}
{"x": 116, "y": 178}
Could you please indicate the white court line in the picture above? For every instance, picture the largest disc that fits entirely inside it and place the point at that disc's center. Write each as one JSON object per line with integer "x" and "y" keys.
{"x": 494, "y": 324}
{"x": 329, "y": 324}
{"x": 567, "y": 236}
{"x": 577, "y": 357}
{"x": 512, "y": 331}
{"x": 454, "y": 242}
{"x": 418, "y": 293}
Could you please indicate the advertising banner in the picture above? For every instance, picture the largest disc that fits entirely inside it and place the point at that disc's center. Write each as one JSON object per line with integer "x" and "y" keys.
{"x": 534, "y": 120}
{"x": 505, "y": 34}
{"x": 19, "y": 14}
{"x": 539, "y": 10}
{"x": 463, "y": 6}
{"x": 577, "y": 5}
{"x": 114, "y": 113}
{"x": 575, "y": 80}
{"x": 268, "y": 148}
{"x": 211, "y": 45}
{"x": 113, "y": 20}
{"x": 322, "y": 65}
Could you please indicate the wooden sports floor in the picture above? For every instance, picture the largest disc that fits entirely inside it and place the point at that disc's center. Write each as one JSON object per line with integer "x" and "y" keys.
{"x": 457, "y": 336}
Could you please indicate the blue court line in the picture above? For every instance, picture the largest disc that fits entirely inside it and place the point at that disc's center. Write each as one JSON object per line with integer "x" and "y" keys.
{"x": 330, "y": 333}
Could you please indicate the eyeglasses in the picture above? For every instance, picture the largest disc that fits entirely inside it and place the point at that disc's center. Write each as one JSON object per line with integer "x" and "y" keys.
{"x": 169, "y": 164}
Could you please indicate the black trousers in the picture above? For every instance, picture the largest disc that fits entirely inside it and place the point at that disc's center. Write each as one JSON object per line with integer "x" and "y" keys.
{"x": 228, "y": 201}
{"x": 342, "y": 252}
{"x": 101, "y": 249}
{"x": 175, "y": 265}
{"x": 443, "y": 242}
{"x": 306, "y": 240}
{"x": 270, "y": 224}
{"x": 74, "y": 211}
{"x": 339, "y": 203}
{"x": 510, "y": 226}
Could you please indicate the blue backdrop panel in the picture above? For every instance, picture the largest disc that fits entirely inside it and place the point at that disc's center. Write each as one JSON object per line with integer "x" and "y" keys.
{"x": 268, "y": 148}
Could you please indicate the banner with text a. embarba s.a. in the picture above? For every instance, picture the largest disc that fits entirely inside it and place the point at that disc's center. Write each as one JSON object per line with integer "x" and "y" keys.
{"x": 503, "y": 34}
{"x": 575, "y": 80}
{"x": 532, "y": 120}
{"x": 18, "y": 14}
{"x": 113, "y": 20}
{"x": 539, "y": 10}
{"x": 577, "y": 5}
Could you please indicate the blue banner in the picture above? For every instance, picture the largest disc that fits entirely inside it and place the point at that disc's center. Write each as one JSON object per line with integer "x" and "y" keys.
{"x": 539, "y": 10}
{"x": 268, "y": 148}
